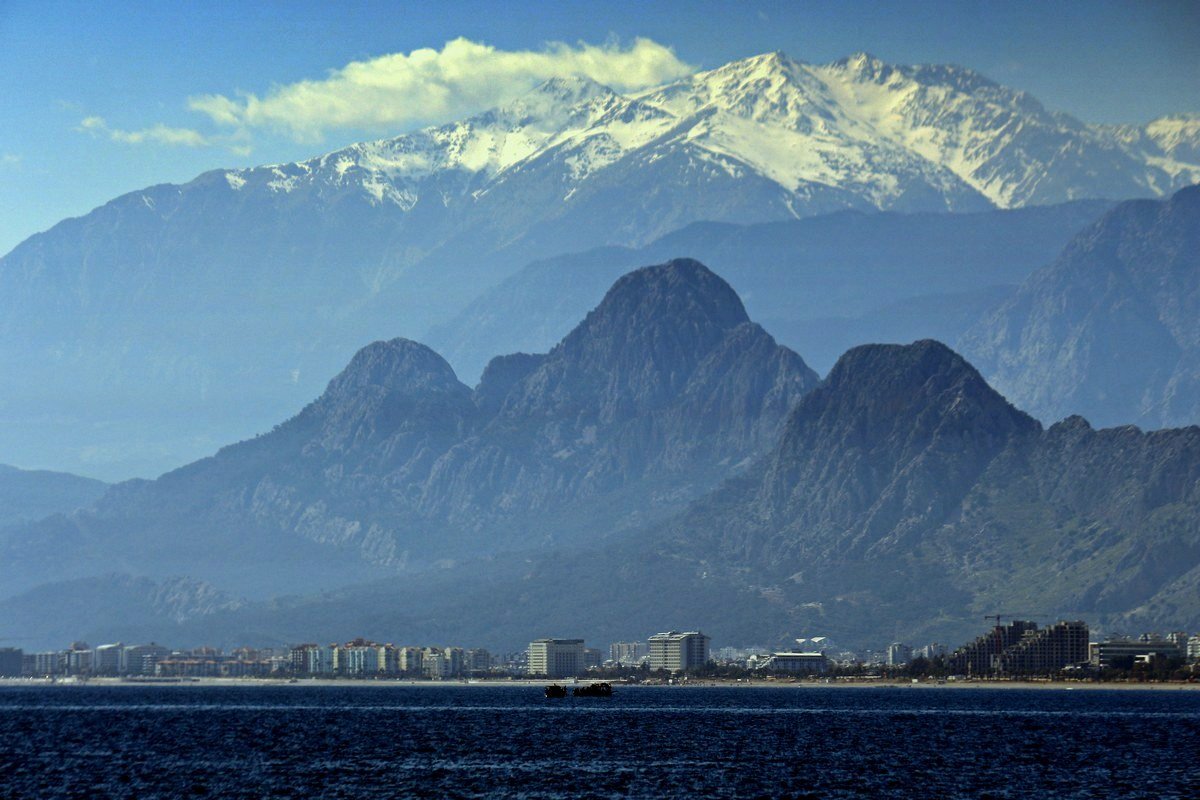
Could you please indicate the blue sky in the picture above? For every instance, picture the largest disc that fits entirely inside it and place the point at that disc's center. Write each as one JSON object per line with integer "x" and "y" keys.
{"x": 97, "y": 99}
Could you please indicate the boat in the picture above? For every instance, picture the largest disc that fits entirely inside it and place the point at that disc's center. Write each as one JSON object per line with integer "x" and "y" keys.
{"x": 594, "y": 690}
{"x": 554, "y": 691}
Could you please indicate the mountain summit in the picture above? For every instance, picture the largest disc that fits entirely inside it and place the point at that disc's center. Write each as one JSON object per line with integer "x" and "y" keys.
{"x": 390, "y": 237}
{"x": 662, "y": 392}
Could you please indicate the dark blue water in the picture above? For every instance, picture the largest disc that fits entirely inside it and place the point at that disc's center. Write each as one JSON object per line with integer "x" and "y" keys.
{"x": 287, "y": 741}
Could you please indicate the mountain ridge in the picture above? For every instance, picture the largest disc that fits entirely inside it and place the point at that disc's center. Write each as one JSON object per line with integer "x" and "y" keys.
{"x": 1108, "y": 329}
{"x": 901, "y": 497}
{"x": 391, "y": 237}
{"x": 399, "y": 466}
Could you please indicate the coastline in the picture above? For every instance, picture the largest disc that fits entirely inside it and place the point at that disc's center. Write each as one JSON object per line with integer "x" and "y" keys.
{"x": 526, "y": 683}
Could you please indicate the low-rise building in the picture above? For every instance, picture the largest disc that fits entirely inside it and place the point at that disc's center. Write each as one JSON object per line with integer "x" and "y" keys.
{"x": 794, "y": 663}
{"x": 1124, "y": 653}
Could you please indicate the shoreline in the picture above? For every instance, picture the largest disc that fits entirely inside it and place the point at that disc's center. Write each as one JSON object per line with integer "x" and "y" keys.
{"x": 526, "y": 683}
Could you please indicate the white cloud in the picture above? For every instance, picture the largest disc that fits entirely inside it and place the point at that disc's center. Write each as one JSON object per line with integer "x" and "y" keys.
{"x": 157, "y": 134}
{"x": 10, "y": 160}
{"x": 429, "y": 85}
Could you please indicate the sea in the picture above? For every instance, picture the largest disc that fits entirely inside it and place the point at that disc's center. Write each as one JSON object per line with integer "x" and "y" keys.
{"x": 360, "y": 741}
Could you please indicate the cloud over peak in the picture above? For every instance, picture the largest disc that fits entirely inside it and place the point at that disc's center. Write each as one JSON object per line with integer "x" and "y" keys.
{"x": 427, "y": 85}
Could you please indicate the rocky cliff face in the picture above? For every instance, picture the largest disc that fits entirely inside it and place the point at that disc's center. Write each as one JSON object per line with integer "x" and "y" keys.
{"x": 903, "y": 497}
{"x": 665, "y": 389}
{"x": 667, "y": 384}
{"x": 905, "y": 484}
{"x": 1109, "y": 330}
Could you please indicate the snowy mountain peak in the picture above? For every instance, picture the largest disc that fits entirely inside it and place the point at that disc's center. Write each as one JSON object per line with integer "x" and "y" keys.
{"x": 861, "y": 64}
{"x": 857, "y": 131}
{"x": 571, "y": 89}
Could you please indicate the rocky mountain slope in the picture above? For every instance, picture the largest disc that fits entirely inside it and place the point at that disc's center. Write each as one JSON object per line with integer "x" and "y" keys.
{"x": 1109, "y": 330}
{"x": 820, "y": 285}
{"x": 118, "y": 607}
{"x": 905, "y": 498}
{"x": 665, "y": 389}
{"x": 647, "y": 472}
{"x": 388, "y": 237}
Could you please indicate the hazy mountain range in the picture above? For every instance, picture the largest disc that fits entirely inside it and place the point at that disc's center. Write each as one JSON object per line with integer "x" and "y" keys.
{"x": 665, "y": 464}
{"x": 34, "y": 494}
{"x": 1111, "y": 329}
{"x": 230, "y": 299}
{"x": 820, "y": 285}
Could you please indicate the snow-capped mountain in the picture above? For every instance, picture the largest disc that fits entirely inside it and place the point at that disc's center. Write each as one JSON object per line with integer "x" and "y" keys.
{"x": 232, "y": 298}
{"x": 868, "y": 132}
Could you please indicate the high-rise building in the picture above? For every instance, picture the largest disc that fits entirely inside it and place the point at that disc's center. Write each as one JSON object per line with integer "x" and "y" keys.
{"x": 1047, "y": 650}
{"x": 898, "y": 654}
{"x": 435, "y": 663}
{"x": 677, "y": 652}
{"x": 556, "y": 658}
{"x": 1193, "y": 649}
{"x": 79, "y": 659}
{"x": 627, "y": 654}
{"x": 931, "y": 651}
{"x": 976, "y": 658}
{"x": 456, "y": 661}
{"x": 411, "y": 660}
{"x": 139, "y": 659}
{"x": 11, "y": 660}
{"x": 106, "y": 659}
{"x": 362, "y": 657}
{"x": 478, "y": 661}
{"x": 49, "y": 663}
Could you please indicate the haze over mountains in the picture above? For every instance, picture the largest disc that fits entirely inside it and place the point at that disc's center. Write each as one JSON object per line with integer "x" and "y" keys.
{"x": 296, "y": 265}
{"x": 821, "y": 284}
{"x": 660, "y": 393}
{"x": 31, "y": 494}
{"x": 645, "y": 454}
{"x": 666, "y": 461}
{"x": 1110, "y": 329}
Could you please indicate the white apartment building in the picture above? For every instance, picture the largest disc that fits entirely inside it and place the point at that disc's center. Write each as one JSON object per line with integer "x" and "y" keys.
{"x": 556, "y": 658}
{"x": 677, "y": 652}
